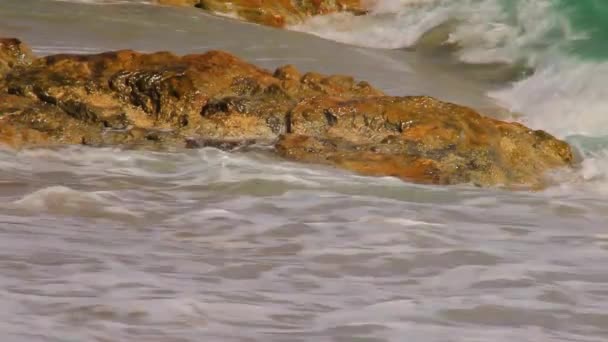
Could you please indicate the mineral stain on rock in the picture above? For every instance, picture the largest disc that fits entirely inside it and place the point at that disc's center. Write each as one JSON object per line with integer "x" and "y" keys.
{"x": 161, "y": 100}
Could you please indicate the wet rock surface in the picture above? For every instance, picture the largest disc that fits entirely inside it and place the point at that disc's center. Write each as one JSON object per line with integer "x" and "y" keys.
{"x": 13, "y": 53}
{"x": 277, "y": 13}
{"x": 419, "y": 138}
{"x": 161, "y": 101}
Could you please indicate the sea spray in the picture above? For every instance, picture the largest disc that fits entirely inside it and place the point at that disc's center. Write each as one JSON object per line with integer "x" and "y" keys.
{"x": 561, "y": 45}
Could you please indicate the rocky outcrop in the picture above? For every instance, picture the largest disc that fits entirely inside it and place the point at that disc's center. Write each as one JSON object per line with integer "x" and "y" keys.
{"x": 13, "y": 53}
{"x": 418, "y": 138}
{"x": 277, "y": 13}
{"x": 161, "y": 100}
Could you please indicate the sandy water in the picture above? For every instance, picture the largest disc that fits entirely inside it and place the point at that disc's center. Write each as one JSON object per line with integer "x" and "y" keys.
{"x": 204, "y": 245}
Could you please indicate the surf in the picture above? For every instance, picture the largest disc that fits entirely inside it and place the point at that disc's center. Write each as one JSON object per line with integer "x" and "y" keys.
{"x": 544, "y": 61}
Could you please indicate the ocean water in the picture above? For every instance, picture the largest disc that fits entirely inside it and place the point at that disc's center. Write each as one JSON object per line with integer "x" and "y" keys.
{"x": 549, "y": 57}
{"x": 204, "y": 245}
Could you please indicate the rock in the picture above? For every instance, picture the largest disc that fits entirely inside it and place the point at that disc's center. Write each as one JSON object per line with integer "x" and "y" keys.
{"x": 214, "y": 95}
{"x": 277, "y": 13}
{"x": 13, "y": 53}
{"x": 419, "y": 139}
{"x": 161, "y": 101}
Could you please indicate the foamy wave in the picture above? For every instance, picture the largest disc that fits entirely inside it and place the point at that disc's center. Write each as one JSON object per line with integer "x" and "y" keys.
{"x": 484, "y": 30}
{"x": 565, "y": 95}
{"x": 595, "y": 168}
{"x": 566, "y": 98}
{"x": 588, "y": 181}
{"x": 67, "y": 201}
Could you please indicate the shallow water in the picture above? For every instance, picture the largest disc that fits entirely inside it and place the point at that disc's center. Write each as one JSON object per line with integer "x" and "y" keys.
{"x": 99, "y": 244}
{"x": 556, "y": 47}
{"x": 115, "y": 245}
{"x": 97, "y": 28}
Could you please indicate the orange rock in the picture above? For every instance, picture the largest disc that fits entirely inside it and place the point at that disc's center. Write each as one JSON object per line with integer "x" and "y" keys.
{"x": 161, "y": 100}
{"x": 279, "y": 13}
{"x": 419, "y": 139}
{"x": 13, "y": 53}
{"x": 206, "y": 95}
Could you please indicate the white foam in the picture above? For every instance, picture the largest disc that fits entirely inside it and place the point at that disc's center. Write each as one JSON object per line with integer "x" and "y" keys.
{"x": 384, "y": 30}
{"x": 409, "y": 222}
{"x": 565, "y": 96}
{"x": 64, "y": 200}
{"x": 485, "y": 33}
{"x": 590, "y": 179}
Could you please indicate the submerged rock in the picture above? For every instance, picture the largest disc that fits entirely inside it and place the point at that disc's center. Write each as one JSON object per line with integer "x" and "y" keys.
{"x": 161, "y": 100}
{"x": 276, "y": 13}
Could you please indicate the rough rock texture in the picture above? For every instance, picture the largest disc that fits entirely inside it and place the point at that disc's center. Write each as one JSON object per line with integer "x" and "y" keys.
{"x": 13, "y": 53}
{"x": 418, "y": 138}
{"x": 276, "y": 13}
{"x": 161, "y": 100}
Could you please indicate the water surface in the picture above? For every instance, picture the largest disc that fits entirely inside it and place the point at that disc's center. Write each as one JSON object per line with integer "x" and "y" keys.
{"x": 117, "y": 245}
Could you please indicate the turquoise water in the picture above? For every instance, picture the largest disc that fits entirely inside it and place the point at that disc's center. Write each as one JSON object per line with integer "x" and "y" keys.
{"x": 506, "y": 29}
{"x": 578, "y": 26}
{"x": 564, "y": 43}
{"x": 561, "y": 44}
{"x": 590, "y": 18}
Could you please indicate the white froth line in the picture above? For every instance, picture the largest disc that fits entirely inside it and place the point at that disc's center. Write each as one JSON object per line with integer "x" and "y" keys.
{"x": 408, "y": 222}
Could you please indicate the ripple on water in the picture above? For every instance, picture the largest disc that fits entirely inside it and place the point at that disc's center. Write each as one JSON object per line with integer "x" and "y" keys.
{"x": 122, "y": 245}
{"x": 66, "y": 201}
